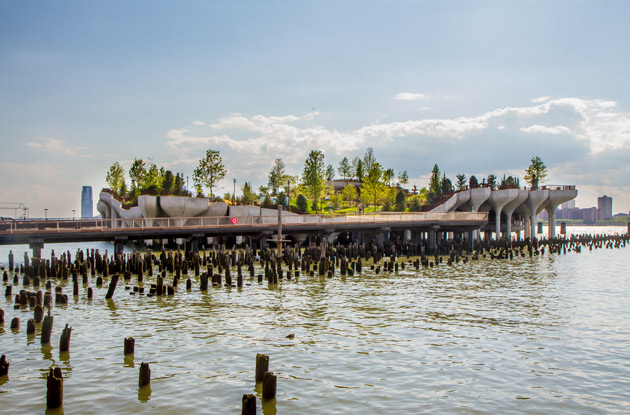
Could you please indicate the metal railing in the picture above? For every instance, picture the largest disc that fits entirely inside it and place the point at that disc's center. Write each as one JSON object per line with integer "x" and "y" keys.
{"x": 214, "y": 222}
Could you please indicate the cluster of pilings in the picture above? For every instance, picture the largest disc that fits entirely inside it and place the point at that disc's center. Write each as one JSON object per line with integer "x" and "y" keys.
{"x": 216, "y": 267}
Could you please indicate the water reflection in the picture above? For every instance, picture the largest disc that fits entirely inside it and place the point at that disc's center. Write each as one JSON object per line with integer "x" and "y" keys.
{"x": 128, "y": 361}
{"x": 55, "y": 411}
{"x": 144, "y": 393}
{"x": 47, "y": 352}
{"x": 269, "y": 406}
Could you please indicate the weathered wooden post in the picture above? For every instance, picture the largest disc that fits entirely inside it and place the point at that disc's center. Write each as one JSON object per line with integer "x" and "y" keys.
{"x": 30, "y": 326}
{"x": 64, "y": 342}
{"x": 262, "y": 366}
{"x": 269, "y": 385}
{"x": 249, "y": 404}
{"x": 1, "y": 316}
{"x": 145, "y": 375}
{"x": 112, "y": 286}
{"x": 54, "y": 393}
{"x": 46, "y": 329}
{"x": 15, "y": 323}
{"x": 130, "y": 344}
{"x": 4, "y": 366}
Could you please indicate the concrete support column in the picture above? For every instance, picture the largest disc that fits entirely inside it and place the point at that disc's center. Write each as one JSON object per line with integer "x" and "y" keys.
{"x": 36, "y": 246}
{"x": 431, "y": 244}
{"x": 551, "y": 211}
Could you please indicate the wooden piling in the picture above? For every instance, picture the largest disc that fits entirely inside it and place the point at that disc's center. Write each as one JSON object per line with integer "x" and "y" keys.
{"x": 46, "y": 329}
{"x": 30, "y": 326}
{"x": 4, "y": 366}
{"x": 145, "y": 375}
{"x": 262, "y": 366}
{"x": 130, "y": 344}
{"x": 64, "y": 342}
{"x": 269, "y": 385}
{"x": 1, "y": 316}
{"x": 112, "y": 286}
{"x": 15, "y": 323}
{"x": 249, "y": 404}
{"x": 54, "y": 392}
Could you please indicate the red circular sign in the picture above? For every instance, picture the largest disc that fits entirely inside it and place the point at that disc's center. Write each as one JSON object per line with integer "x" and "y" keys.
{"x": 234, "y": 221}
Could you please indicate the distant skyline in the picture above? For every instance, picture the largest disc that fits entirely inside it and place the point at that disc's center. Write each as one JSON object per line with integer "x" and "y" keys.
{"x": 477, "y": 87}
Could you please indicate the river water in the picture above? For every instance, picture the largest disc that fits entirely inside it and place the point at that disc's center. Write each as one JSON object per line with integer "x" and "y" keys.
{"x": 547, "y": 334}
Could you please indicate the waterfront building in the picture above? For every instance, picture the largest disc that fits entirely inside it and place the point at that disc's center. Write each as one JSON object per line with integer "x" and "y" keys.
{"x": 86, "y": 202}
{"x": 604, "y": 207}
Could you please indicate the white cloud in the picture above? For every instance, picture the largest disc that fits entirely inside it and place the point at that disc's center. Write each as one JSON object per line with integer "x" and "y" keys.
{"x": 501, "y": 127}
{"x": 410, "y": 96}
{"x": 541, "y": 129}
{"x": 198, "y": 123}
{"x": 55, "y": 145}
{"x": 541, "y": 99}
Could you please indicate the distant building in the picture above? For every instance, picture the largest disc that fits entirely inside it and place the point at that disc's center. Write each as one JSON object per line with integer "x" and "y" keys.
{"x": 86, "y": 203}
{"x": 589, "y": 215}
{"x": 604, "y": 207}
{"x": 568, "y": 205}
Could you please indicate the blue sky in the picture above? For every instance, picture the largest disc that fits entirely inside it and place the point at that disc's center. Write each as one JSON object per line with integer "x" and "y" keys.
{"x": 477, "y": 87}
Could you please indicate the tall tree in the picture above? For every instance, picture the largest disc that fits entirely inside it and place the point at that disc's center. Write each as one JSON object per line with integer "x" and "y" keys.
{"x": 492, "y": 181}
{"x": 403, "y": 178}
{"x": 345, "y": 169}
{"x": 168, "y": 185}
{"x": 446, "y": 185}
{"x": 277, "y": 177}
{"x": 115, "y": 177}
{"x": 401, "y": 199}
{"x": 302, "y": 203}
{"x": 373, "y": 186}
{"x": 359, "y": 171}
{"x": 153, "y": 179}
{"x": 349, "y": 193}
{"x": 388, "y": 175}
{"x": 368, "y": 160}
{"x": 536, "y": 173}
{"x": 209, "y": 171}
{"x": 461, "y": 181}
{"x": 249, "y": 197}
{"x": 330, "y": 172}
{"x": 435, "y": 184}
{"x": 137, "y": 173}
{"x": 313, "y": 175}
{"x": 473, "y": 183}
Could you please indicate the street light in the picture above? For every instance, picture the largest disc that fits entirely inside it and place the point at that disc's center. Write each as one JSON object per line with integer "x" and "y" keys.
{"x": 73, "y": 210}
{"x": 46, "y": 213}
{"x": 234, "y": 193}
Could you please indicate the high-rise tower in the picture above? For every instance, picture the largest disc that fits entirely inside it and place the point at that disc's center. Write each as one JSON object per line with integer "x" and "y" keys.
{"x": 86, "y": 202}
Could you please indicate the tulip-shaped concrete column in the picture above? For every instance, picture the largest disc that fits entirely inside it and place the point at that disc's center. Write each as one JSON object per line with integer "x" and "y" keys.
{"x": 477, "y": 197}
{"x": 556, "y": 198}
{"x": 498, "y": 199}
{"x": 535, "y": 200}
{"x": 520, "y": 197}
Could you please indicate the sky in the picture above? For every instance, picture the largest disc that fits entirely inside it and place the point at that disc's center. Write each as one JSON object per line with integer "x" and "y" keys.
{"x": 477, "y": 87}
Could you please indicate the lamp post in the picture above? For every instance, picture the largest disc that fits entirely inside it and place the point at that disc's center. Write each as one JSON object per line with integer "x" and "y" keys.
{"x": 73, "y": 210}
{"x": 289, "y": 195}
{"x": 46, "y": 213}
{"x": 234, "y": 193}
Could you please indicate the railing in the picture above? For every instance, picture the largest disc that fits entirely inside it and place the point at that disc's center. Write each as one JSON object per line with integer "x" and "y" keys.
{"x": 557, "y": 187}
{"x": 214, "y": 222}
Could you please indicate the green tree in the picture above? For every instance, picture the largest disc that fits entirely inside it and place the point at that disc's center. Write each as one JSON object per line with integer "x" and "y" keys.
{"x": 536, "y": 173}
{"x": 473, "y": 183}
{"x": 137, "y": 173}
{"x": 401, "y": 201}
{"x": 403, "y": 178}
{"x": 435, "y": 184}
{"x": 492, "y": 181}
{"x": 209, "y": 171}
{"x": 357, "y": 165}
{"x": 330, "y": 172}
{"x": 368, "y": 160}
{"x": 461, "y": 181}
{"x": 168, "y": 184}
{"x": 277, "y": 177}
{"x": 123, "y": 189}
{"x": 345, "y": 169}
{"x": 335, "y": 200}
{"x": 115, "y": 177}
{"x": 446, "y": 185}
{"x": 179, "y": 184}
{"x": 249, "y": 197}
{"x": 349, "y": 193}
{"x": 388, "y": 175}
{"x": 415, "y": 203}
{"x": 373, "y": 186}
{"x": 281, "y": 200}
{"x": 302, "y": 203}
{"x": 313, "y": 175}
{"x": 153, "y": 179}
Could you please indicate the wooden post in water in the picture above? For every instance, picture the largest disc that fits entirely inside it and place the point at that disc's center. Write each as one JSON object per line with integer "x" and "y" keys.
{"x": 112, "y": 286}
{"x": 262, "y": 366}
{"x": 30, "y": 326}
{"x": 15, "y": 323}
{"x": 64, "y": 342}
{"x": 4, "y": 366}
{"x": 130, "y": 344}
{"x": 38, "y": 314}
{"x": 47, "y": 329}
{"x": 1, "y": 316}
{"x": 249, "y": 404}
{"x": 145, "y": 375}
{"x": 269, "y": 386}
{"x": 54, "y": 392}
